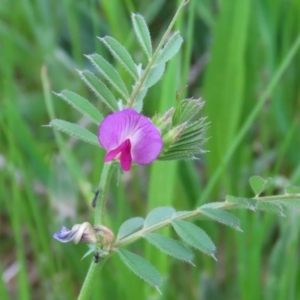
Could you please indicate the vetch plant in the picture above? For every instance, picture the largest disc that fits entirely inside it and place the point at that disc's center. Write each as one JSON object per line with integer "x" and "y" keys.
{"x": 129, "y": 137}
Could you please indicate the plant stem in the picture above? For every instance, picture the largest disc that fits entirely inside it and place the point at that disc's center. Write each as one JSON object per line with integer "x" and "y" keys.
{"x": 103, "y": 189}
{"x": 100, "y": 208}
{"x": 192, "y": 214}
{"x": 152, "y": 59}
{"x": 90, "y": 278}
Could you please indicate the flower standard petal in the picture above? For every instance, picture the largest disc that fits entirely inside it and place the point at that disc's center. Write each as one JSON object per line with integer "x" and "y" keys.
{"x": 144, "y": 140}
{"x": 116, "y": 128}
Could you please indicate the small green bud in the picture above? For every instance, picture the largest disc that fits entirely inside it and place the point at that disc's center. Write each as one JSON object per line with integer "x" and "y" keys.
{"x": 104, "y": 235}
{"x": 166, "y": 118}
{"x": 173, "y": 135}
{"x": 177, "y": 114}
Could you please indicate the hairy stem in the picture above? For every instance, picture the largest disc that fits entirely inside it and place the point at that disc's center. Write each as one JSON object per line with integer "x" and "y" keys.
{"x": 100, "y": 208}
{"x": 191, "y": 214}
{"x": 90, "y": 278}
{"x": 152, "y": 59}
{"x": 103, "y": 189}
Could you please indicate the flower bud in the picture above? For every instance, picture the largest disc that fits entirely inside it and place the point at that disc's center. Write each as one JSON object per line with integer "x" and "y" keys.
{"x": 166, "y": 118}
{"x": 173, "y": 135}
{"x": 85, "y": 233}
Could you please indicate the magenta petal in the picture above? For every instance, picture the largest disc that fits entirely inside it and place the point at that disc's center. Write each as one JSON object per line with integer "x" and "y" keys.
{"x": 113, "y": 153}
{"x": 125, "y": 158}
{"x": 145, "y": 138}
{"x": 116, "y": 128}
{"x": 146, "y": 142}
{"x": 125, "y": 155}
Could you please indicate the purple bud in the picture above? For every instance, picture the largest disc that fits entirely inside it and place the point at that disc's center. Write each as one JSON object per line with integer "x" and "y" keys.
{"x": 83, "y": 233}
{"x": 86, "y": 233}
{"x": 64, "y": 235}
{"x": 130, "y": 137}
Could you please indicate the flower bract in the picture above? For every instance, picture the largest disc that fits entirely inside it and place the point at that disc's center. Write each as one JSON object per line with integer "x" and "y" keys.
{"x": 129, "y": 137}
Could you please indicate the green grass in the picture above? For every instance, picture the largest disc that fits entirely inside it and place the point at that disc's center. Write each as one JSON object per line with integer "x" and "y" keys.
{"x": 242, "y": 57}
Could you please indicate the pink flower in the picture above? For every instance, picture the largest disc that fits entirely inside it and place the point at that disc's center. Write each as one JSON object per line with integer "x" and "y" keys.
{"x": 130, "y": 137}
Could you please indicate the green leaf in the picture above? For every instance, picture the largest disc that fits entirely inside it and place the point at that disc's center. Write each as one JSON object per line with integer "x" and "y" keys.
{"x": 292, "y": 189}
{"x": 109, "y": 73}
{"x": 121, "y": 55}
{"x": 142, "y": 32}
{"x": 289, "y": 203}
{"x": 259, "y": 185}
{"x": 158, "y": 215}
{"x": 170, "y": 49}
{"x": 130, "y": 226}
{"x": 170, "y": 246}
{"x": 247, "y": 203}
{"x": 91, "y": 250}
{"x": 82, "y": 105}
{"x": 271, "y": 207}
{"x": 141, "y": 268}
{"x": 221, "y": 216}
{"x": 194, "y": 236}
{"x": 154, "y": 75}
{"x": 75, "y": 130}
{"x": 139, "y": 99}
{"x": 100, "y": 89}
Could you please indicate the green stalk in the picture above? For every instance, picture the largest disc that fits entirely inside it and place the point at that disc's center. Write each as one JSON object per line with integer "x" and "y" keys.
{"x": 155, "y": 54}
{"x": 90, "y": 278}
{"x": 100, "y": 209}
{"x": 192, "y": 214}
{"x": 105, "y": 178}
{"x": 103, "y": 189}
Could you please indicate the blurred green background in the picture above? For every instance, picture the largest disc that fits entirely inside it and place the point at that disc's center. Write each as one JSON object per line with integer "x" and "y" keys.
{"x": 241, "y": 56}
